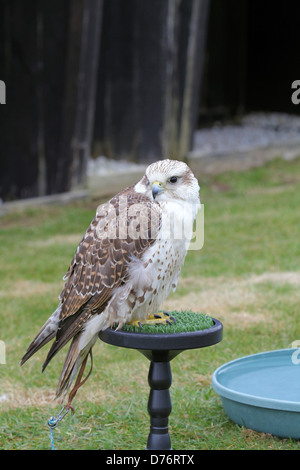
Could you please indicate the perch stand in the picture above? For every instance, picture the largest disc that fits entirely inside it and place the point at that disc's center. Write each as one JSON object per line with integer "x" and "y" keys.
{"x": 160, "y": 349}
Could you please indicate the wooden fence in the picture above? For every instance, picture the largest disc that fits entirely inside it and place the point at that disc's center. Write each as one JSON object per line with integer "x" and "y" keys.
{"x": 116, "y": 77}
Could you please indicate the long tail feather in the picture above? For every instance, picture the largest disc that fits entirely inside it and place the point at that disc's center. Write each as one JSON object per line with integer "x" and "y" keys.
{"x": 47, "y": 332}
{"x": 67, "y": 330}
{"x": 74, "y": 364}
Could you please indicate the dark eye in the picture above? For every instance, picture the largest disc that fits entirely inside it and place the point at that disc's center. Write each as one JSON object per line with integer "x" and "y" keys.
{"x": 146, "y": 181}
{"x": 173, "y": 179}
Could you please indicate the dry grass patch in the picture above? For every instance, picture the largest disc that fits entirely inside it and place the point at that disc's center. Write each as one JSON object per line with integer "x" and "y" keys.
{"x": 17, "y": 397}
{"x": 233, "y": 299}
{"x": 69, "y": 239}
{"x": 217, "y": 297}
{"x": 14, "y": 396}
{"x": 290, "y": 277}
{"x": 25, "y": 288}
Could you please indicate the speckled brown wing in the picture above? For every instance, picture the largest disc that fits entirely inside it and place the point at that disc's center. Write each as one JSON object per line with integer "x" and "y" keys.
{"x": 121, "y": 230}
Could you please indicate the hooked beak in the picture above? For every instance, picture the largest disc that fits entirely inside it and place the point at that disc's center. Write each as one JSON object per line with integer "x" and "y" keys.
{"x": 157, "y": 188}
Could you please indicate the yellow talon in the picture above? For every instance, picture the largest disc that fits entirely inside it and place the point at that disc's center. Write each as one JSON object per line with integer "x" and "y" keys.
{"x": 161, "y": 318}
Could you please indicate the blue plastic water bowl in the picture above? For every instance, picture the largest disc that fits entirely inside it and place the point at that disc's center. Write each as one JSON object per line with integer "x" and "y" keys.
{"x": 262, "y": 391}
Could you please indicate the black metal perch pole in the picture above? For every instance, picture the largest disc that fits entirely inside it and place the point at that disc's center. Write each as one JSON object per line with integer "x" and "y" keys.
{"x": 160, "y": 349}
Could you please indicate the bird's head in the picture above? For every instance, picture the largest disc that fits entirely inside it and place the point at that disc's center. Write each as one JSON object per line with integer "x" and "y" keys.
{"x": 167, "y": 180}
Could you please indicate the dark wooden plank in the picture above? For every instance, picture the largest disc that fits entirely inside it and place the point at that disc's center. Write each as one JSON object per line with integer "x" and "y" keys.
{"x": 49, "y": 63}
{"x": 150, "y": 68}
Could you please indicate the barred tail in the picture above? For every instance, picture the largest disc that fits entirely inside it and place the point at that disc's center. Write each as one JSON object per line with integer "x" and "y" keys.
{"x": 75, "y": 364}
{"x": 47, "y": 332}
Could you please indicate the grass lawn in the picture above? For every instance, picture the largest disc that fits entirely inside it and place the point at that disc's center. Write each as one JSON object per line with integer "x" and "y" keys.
{"x": 247, "y": 275}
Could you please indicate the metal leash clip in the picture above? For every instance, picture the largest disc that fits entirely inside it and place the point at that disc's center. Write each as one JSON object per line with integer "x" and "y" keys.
{"x": 53, "y": 421}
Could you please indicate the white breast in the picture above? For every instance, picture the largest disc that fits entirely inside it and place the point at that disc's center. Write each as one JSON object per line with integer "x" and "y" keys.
{"x": 157, "y": 274}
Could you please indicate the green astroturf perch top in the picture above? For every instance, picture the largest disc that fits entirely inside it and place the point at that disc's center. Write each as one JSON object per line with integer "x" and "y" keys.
{"x": 186, "y": 321}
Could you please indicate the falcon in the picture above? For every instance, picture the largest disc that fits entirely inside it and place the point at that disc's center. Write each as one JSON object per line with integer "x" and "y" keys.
{"x": 125, "y": 266}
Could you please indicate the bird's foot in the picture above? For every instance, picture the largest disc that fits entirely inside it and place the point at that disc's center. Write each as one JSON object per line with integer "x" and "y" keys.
{"x": 161, "y": 318}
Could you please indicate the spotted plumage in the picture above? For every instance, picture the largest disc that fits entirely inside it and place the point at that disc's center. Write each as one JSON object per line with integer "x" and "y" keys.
{"x": 125, "y": 265}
